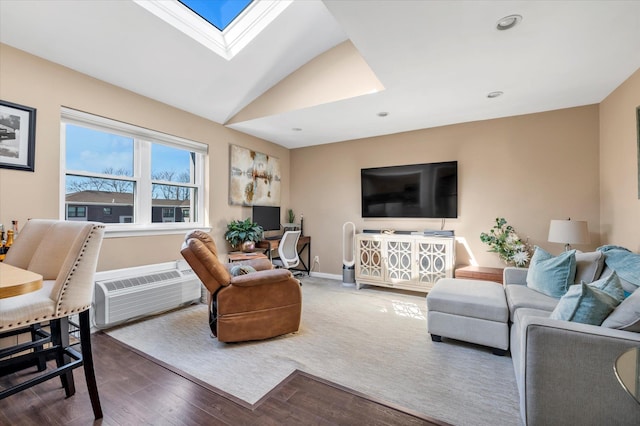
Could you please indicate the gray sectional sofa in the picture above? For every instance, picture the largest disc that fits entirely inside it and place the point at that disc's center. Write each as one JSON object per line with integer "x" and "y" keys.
{"x": 565, "y": 370}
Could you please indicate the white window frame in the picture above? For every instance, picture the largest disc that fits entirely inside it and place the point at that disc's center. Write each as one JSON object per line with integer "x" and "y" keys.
{"x": 143, "y": 139}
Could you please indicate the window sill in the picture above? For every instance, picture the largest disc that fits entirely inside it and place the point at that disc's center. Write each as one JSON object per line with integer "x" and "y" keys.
{"x": 119, "y": 231}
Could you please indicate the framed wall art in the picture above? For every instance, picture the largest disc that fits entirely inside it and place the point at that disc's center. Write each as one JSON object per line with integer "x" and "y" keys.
{"x": 254, "y": 178}
{"x": 17, "y": 136}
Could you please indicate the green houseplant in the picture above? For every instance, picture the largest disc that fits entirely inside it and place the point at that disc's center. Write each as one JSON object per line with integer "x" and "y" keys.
{"x": 291, "y": 216}
{"x": 504, "y": 240}
{"x": 243, "y": 234}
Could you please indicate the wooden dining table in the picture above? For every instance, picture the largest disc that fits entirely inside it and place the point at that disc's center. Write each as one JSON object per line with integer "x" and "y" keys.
{"x": 15, "y": 281}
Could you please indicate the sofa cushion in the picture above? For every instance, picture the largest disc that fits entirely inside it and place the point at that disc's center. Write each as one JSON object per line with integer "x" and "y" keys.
{"x": 610, "y": 285}
{"x": 517, "y": 342}
{"x": 551, "y": 275}
{"x": 584, "y": 304}
{"x": 626, "y": 316}
{"x": 469, "y": 298}
{"x": 520, "y": 296}
{"x": 589, "y": 266}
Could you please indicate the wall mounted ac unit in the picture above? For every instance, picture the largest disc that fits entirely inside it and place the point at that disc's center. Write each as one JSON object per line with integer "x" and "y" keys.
{"x": 127, "y": 294}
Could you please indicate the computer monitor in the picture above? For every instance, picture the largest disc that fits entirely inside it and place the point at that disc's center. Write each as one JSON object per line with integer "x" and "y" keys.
{"x": 268, "y": 217}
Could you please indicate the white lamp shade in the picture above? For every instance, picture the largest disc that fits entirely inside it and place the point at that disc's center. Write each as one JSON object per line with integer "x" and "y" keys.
{"x": 569, "y": 232}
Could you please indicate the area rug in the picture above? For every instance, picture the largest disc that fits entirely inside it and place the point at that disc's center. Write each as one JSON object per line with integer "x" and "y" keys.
{"x": 371, "y": 340}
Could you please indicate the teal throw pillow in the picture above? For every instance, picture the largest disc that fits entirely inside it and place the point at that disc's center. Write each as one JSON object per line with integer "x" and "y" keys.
{"x": 551, "y": 275}
{"x": 610, "y": 285}
{"x": 585, "y": 304}
{"x": 241, "y": 270}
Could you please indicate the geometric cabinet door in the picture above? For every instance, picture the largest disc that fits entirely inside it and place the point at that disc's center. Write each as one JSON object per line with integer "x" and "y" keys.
{"x": 411, "y": 262}
{"x": 434, "y": 261}
{"x": 369, "y": 259}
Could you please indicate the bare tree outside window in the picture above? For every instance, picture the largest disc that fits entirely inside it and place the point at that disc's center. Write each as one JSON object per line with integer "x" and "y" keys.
{"x": 102, "y": 184}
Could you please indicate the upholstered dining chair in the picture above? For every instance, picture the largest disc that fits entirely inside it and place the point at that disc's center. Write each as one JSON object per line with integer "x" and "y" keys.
{"x": 65, "y": 254}
{"x": 251, "y": 306}
{"x": 288, "y": 251}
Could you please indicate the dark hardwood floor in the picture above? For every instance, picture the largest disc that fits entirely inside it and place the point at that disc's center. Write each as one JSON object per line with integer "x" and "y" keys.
{"x": 137, "y": 391}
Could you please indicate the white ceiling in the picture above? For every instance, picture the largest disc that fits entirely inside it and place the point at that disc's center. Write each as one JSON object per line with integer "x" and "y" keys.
{"x": 436, "y": 59}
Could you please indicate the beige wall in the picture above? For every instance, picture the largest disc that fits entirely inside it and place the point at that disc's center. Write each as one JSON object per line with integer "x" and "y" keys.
{"x": 31, "y": 81}
{"x": 529, "y": 169}
{"x": 619, "y": 164}
{"x": 339, "y": 73}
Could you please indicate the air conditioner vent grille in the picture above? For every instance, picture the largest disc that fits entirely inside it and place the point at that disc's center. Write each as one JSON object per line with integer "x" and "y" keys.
{"x": 122, "y": 298}
{"x": 141, "y": 280}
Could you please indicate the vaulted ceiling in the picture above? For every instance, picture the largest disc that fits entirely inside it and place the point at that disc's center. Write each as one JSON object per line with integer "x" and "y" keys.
{"x": 322, "y": 71}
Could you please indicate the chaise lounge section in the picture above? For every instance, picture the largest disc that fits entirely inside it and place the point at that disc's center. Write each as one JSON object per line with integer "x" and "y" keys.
{"x": 564, "y": 369}
{"x": 469, "y": 310}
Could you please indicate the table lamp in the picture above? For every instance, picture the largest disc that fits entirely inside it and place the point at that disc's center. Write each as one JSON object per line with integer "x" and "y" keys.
{"x": 568, "y": 232}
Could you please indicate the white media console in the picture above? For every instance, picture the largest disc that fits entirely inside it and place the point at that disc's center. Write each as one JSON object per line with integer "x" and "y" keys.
{"x": 410, "y": 262}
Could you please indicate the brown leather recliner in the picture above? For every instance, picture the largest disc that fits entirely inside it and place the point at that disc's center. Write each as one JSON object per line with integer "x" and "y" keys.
{"x": 255, "y": 306}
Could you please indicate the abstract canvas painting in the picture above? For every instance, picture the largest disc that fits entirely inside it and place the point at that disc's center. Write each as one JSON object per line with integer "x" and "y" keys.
{"x": 254, "y": 178}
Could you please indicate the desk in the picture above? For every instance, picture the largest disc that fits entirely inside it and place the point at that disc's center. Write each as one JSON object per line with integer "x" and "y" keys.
{"x": 304, "y": 242}
{"x": 16, "y": 281}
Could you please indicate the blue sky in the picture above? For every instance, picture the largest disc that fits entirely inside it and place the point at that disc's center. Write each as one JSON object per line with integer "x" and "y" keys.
{"x": 95, "y": 151}
{"x": 219, "y": 13}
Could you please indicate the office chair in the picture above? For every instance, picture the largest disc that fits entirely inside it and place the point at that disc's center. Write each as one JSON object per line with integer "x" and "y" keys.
{"x": 288, "y": 251}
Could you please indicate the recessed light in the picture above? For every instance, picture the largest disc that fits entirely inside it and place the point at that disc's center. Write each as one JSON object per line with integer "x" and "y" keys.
{"x": 296, "y": 129}
{"x": 508, "y": 22}
{"x": 383, "y": 114}
{"x": 495, "y": 94}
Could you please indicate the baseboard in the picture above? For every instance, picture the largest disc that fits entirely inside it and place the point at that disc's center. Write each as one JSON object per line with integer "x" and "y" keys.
{"x": 325, "y": 275}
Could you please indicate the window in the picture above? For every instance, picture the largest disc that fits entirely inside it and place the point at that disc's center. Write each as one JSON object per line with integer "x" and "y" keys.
{"x": 219, "y": 13}
{"x": 130, "y": 178}
{"x": 168, "y": 214}
{"x": 76, "y": 211}
{"x": 242, "y": 20}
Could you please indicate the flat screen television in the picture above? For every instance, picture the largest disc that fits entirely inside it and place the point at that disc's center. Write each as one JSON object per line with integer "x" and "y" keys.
{"x": 267, "y": 216}
{"x": 415, "y": 190}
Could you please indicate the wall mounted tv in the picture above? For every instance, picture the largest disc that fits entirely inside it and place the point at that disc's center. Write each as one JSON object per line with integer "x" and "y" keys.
{"x": 416, "y": 190}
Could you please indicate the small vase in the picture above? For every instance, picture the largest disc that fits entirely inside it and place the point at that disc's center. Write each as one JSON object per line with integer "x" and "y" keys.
{"x": 248, "y": 246}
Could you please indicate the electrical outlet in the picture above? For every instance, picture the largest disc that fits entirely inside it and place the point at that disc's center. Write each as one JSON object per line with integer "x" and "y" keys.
{"x": 316, "y": 259}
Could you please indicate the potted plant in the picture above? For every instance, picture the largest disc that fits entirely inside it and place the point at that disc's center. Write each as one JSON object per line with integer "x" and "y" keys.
{"x": 504, "y": 240}
{"x": 290, "y": 225}
{"x": 243, "y": 234}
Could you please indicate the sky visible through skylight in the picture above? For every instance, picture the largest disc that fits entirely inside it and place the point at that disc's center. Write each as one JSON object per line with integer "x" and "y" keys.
{"x": 219, "y": 13}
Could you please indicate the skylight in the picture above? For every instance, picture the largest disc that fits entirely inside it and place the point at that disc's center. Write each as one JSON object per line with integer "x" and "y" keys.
{"x": 201, "y": 20}
{"x": 219, "y": 13}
